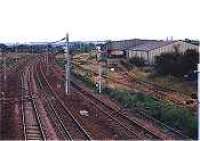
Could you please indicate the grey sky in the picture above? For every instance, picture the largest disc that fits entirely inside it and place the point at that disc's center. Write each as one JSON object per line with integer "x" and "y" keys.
{"x": 48, "y": 20}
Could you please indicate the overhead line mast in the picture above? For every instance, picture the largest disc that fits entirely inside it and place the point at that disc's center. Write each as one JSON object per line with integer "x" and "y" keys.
{"x": 67, "y": 66}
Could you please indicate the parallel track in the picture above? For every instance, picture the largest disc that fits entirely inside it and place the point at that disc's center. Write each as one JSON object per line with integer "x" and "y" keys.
{"x": 130, "y": 125}
{"x": 146, "y": 116}
{"x": 75, "y": 130}
{"x": 53, "y": 114}
{"x": 157, "y": 92}
{"x": 32, "y": 126}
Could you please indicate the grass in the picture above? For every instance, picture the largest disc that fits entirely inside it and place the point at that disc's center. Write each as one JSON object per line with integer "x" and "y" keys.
{"x": 165, "y": 112}
{"x": 61, "y": 62}
{"x": 9, "y": 62}
{"x": 86, "y": 79}
{"x": 170, "y": 82}
{"x": 174, "y": 83}
{"x": 168, "y": 113}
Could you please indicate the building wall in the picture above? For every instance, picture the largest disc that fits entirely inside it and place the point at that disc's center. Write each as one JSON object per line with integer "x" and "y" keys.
{"x": 149, "y": 56}
{"x": 117, "y": 52}
{"x": 142, "y": 54}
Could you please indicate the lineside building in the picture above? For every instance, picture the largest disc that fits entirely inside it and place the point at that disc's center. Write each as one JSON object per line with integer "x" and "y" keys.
{"x": 147, "y": 49}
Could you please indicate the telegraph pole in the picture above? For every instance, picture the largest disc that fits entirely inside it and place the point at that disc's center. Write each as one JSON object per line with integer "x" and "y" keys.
{"x": 67, "y": 66}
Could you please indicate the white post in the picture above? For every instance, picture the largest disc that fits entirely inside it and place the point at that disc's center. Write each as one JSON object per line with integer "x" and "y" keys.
{"x": 99, "y": 79}
{"x": 67, "y": 66}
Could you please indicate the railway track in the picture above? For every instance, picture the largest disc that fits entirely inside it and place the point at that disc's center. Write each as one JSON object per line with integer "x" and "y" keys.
{"x": 179, "y": 134}
{"x": 156, "y": 91}
{"x": 53, "y": 114}
{"x": 128, "y": 124}
{"x": 132, "y": 127}
{"x": 32, "y": 126}
{"x": 72, "y": 128}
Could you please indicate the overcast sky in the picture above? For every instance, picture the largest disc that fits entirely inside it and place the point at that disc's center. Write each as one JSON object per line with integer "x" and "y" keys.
{"x": 49, "y": 20}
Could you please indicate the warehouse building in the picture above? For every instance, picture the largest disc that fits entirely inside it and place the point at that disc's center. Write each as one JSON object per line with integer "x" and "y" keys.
{"x": 150, "y": 50}
{"x": 118, "y": 49}
{"x": 146, "y": 49}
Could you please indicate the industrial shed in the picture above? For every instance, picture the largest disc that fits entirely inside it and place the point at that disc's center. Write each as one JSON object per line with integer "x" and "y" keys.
{"x": 149, "y": 50}
{"x": 118, "y": 49}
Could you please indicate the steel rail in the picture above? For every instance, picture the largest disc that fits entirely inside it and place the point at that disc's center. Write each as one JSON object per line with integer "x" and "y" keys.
{"x": 63, "y": 105}
{"x": 34, "y": 111}
{"x": 158, "y": 122}
{"x": 111, "y": 113}
{"x": 66, "y": 132}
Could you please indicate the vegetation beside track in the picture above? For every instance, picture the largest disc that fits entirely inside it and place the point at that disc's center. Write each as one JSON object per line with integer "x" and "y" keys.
{"x": 9, "y": 62}
{"x": 165, "y": 112}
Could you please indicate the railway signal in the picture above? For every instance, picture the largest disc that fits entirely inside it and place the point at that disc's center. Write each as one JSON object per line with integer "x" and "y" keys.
{"x": 99, "y": 79}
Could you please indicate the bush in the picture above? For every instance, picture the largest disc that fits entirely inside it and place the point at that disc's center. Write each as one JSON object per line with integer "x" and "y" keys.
{"x": 137, "y": 61}
{"x": 175, "y": 63}
{"x": 191, "y": 58}
{"x": 60, "y": 62}
{"x": 85, "y": 79}
{"x": 126, "y": 65}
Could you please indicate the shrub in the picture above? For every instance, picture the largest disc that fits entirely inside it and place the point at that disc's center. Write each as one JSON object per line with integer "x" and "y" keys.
{"x": 175, "y": 63}
{"x": 137, "y": 61}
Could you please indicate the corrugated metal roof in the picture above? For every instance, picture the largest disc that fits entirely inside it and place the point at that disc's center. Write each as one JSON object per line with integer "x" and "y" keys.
{"x": 151, "y": 45}
{"x": 129, "y": 44}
